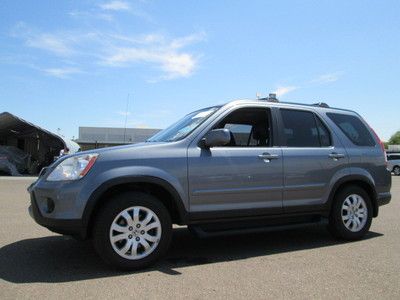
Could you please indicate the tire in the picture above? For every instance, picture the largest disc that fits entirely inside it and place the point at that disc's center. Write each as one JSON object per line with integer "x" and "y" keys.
{"x": 343, "y": 221}
{"x": 396, "y": 170}
{"x": 150, "y": 241}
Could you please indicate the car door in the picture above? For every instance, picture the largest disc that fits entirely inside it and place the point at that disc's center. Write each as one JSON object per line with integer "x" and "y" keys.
{"x": 312, "y": 156}
{"x": 242, "y": 176}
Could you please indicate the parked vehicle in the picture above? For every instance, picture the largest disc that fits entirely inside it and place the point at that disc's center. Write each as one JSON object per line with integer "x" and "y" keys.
{"x": 394, "y": 163}
{"x": 245, "y": 165}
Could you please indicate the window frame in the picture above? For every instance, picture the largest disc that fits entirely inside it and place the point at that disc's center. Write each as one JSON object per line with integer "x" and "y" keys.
{"x": 367, "y": 128}
{"x": 282, "y": 136}
{"x": 271, "y": 121}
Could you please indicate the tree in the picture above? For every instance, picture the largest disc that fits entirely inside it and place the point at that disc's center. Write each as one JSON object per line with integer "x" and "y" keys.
{"x": 395, "y": 139}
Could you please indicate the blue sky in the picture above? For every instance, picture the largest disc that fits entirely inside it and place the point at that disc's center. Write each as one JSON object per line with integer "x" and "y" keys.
{"x": 65, "y": 64}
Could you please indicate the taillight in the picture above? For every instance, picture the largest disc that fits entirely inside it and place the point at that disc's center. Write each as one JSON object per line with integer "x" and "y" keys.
{"x": 381, "y": 143}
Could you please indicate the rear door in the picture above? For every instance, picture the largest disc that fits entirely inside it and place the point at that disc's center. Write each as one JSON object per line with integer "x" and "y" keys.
{"x": 312, "y": 155}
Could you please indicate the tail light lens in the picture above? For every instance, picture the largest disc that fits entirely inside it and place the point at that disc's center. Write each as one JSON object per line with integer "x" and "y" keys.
{"x": 380, "y": 143}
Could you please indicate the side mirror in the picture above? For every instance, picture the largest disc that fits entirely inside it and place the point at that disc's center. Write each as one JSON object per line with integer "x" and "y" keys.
{"x": 216, "y": 137}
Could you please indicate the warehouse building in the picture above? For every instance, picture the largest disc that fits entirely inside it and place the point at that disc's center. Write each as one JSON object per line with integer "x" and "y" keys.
{"x": 99, "y": 137}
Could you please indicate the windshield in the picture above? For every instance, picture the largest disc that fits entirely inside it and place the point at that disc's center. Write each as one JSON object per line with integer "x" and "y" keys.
{"x": 183, "y": 127}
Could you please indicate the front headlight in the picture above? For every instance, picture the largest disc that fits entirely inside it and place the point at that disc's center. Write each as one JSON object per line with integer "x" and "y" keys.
{"x": 73, "y": 168}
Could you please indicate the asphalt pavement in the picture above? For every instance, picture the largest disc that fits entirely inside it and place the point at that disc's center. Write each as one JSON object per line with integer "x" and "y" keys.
{"x": 297, "y": 264}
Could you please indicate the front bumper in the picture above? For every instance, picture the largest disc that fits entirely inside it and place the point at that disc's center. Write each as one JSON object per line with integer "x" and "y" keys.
{"x": 37, "y": 211}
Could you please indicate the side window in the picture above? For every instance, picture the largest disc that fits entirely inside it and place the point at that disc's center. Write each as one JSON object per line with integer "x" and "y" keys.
{"x": 303, "y": 129}
{"x": 249, "y": 127}
{"x": 353, "y": 128}
{"x": 324, "y": 135}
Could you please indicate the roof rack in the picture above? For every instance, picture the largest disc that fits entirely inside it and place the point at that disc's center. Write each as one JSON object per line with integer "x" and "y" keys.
{"x": 270, "y": 98}
{"x": 321, "y": 104}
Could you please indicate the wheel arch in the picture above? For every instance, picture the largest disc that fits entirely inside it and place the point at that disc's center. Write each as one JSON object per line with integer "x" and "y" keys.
{"x": 155, "y": 186}
{"x": 358, "y": 180}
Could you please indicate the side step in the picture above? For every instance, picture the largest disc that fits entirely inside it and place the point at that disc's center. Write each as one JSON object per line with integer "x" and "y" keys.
{"x": 213, "y": 230}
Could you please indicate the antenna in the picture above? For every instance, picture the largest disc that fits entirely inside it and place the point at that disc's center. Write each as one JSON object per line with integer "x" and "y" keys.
{"x": 126, "y": 116}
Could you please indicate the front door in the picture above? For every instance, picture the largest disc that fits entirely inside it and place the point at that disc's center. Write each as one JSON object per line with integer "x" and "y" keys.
{"x": 244, "y": 175}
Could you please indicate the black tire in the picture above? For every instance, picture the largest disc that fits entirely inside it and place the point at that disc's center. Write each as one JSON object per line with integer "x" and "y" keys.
{"x": 396, "y": 170}
{"x": 336, "y": 224}
{"x": 105, "y": 218}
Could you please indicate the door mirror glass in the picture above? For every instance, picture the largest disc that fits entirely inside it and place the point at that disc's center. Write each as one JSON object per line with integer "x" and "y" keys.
{"x": 216, "y": 137}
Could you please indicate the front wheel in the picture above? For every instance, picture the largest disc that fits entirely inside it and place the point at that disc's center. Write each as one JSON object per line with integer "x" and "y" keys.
{"x": 132, "y": 231}
{"x": 351, "y": 214}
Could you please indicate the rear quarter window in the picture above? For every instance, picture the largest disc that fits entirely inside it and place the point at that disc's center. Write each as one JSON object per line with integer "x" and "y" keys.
{"x": 353, "y": 128}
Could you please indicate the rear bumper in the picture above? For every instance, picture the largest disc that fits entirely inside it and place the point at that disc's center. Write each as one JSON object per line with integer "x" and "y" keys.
{"x": 384, "y": 198}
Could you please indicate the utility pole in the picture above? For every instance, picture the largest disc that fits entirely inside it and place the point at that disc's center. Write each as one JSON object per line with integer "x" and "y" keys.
{"x": 126, "y": 116}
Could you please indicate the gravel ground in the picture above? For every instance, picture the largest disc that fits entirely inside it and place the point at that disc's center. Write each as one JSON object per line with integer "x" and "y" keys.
{"x": 298, "y": 264}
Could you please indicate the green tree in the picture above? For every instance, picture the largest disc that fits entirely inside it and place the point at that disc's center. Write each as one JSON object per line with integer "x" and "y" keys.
{"x": 395, "y": 139}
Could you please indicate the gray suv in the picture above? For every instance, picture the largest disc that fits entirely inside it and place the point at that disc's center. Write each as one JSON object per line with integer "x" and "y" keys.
{"x": 246, "y": 165}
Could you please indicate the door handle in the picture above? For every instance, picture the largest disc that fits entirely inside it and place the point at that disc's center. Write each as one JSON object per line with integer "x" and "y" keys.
{"x": 336, "y": 156}
{"x": 268, "y": 156}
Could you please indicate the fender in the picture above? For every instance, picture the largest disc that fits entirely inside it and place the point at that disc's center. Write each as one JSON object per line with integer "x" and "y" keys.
{"x": 96, "y": 195}
{"x": 350, "y": 178}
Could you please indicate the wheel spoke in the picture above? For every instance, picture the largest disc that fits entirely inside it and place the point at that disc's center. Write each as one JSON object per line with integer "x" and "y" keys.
{"x": 127, "y": 246}
{"x": 346, "y": 217}
{"x": 127, "y": 218}
{"x": 119, "y": 237}
{"x": 355, "y": 224}
{"x": 150, "y": 238}
{"x": 134, "y": 248}
{"x": 119, "y": 228}
{"x": 151, "y": 226}
{"x": 145, "y": 244}
{"x": 348, "y": 223}
{"x": 148, "y": 218}
{"x": 136, "y": 215}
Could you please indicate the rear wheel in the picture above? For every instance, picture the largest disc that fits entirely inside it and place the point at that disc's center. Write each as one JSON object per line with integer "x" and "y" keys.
{"x": 396, "y": 170}
{"x": 351, "y": 214}
{"x": 132, "y": 231}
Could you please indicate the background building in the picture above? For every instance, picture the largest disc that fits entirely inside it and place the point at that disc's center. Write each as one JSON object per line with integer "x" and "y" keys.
{"x": 25, "y": 147}
{"x": 99, "y": 137}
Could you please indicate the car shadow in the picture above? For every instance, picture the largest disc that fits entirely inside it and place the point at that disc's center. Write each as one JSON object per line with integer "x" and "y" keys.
{"x": 62, "y": 259}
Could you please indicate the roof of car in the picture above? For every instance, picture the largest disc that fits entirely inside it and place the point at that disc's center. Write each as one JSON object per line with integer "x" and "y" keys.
{"x": 317, "y": 105}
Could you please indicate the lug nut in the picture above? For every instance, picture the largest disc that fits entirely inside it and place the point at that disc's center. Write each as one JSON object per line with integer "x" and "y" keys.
{"x": 130, "y": 228}
{"x": 138, "y": 239}
{"x": 138, "y": 226}
{"x": 130, "y": 236}
{"x": 142, "y": 232}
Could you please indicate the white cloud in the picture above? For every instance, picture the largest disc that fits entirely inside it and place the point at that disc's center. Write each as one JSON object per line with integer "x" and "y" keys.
{"x": 167, "y": 55}
{"x": 50, "y": 43}
{"x": 282, "y": 90}
{"x": 89, "y": 49}
{"x": 327, "y": 78}
{"x": 61, "y": 72}
{"x": 115, "y": 5}
{"x": 123, "y": 113}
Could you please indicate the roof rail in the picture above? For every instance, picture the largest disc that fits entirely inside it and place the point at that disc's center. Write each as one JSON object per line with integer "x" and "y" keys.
{"x": 321, "y": 104}
{"x": 270, "y": 98}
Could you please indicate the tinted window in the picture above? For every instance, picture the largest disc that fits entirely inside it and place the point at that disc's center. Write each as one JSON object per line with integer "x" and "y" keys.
{"x": 249, "y": 127}
{"x": 353, "y": 128}
{"x": 300, "y": 129}
{"x": 393, "y": 157}
{"x": 324, "y": 135}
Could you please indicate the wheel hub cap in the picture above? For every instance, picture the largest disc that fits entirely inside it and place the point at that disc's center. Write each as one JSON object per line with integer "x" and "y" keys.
{"x": 135, "y": 232}
{"x": 354, "y": 213}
